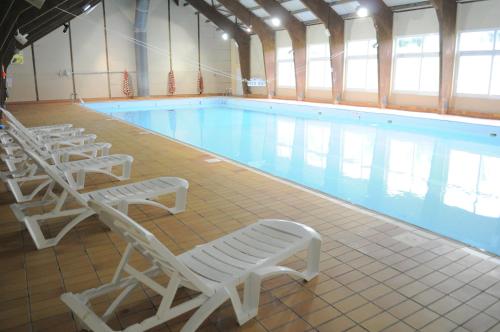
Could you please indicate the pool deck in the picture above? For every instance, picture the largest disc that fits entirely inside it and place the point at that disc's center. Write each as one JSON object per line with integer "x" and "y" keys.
{"x": 376, "y": 274}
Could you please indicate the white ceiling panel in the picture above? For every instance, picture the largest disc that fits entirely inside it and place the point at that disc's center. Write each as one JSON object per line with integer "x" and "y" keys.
{"x": 260, "y": 12}
{"x": 306, "y": 16}
{"x": 248, "y": 3}
{"x": 346, "y": 8}
{"x": 293, "y": 5}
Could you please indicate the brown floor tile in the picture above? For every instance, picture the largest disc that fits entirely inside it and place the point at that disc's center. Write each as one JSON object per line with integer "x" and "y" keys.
{"x": 339, "y": 324}
{"x": 364, "y": 270}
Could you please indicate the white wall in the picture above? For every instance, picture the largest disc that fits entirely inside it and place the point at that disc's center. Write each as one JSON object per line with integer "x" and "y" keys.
{"x": 236, "y": 84}
{"x": 476, "y": 16}
{"x": 257, "y": 68}
{"x": 52, "y": 55}
{"x": 53, "y": 63}
{"x": 89, "y": 55}
{"x": 24, "y": 82}
{"x": 120, "y": 28}
{"x": 415, "y": 22}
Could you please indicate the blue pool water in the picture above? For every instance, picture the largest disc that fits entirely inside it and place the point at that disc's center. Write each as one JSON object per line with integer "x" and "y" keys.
{"x": 440, "y": 175}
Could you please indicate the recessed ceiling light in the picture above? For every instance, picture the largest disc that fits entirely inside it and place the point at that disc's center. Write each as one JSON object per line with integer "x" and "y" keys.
{"x": 362, "y": 11}
{"x": 225, "y": 36}
{"x": 275, "y": 21}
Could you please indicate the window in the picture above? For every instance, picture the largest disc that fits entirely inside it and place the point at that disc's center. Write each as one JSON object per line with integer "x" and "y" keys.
{"x": 479, "y": 63}
{"x": 417, "y": 64}
{"x": 286, "y": 68}
{"x": 319, "y": 73}
{"x": 361, "y": 65}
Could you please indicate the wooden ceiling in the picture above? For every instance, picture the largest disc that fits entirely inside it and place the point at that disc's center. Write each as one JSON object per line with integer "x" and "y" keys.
{"x": 23, "y": 16}
{"x": 345, "y": 8}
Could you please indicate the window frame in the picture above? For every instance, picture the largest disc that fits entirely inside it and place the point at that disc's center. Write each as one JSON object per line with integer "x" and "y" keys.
{"x": 492, "y": 53}
{"x": 366, "y": 57}
{"x": 421, "y": 55}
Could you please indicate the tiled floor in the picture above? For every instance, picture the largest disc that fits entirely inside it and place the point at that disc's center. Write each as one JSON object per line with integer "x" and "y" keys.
{"x": 375, "y": 276}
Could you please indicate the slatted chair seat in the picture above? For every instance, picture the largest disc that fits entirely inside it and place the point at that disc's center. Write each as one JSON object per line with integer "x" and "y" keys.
{"x": 214, "y": 270}
{"x": 142, "y": 190}
{"x": 60, "y": 203}
{"x": 92, "y": 150}
{"x": 102, "y": 164}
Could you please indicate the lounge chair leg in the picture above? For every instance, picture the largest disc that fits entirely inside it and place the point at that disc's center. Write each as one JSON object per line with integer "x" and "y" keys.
{"x": 313, "y": 255}
{"x": 204, "y": 311}
{"x": 180, "y": 200}
{"x": 127, "y": 169}
{"x": 123, "y": 207}
{"x": 80, "y": 179}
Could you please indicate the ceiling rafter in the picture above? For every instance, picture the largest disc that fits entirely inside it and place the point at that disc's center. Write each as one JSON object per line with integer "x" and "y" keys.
{"x": 233, "y": 30}
{"x": 266, "y": 36}
{"x": 382, "y": 17}
{"x": 447, "y": 17}
{"x": 335, "y": 25}
{"x": 297, "y": 31}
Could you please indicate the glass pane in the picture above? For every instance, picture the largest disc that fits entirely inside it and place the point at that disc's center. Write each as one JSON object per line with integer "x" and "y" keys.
{"x": 497, "y": 44}
{"x": 357, "y": 48}
{"x": 476, "y": 41}
{"x": 356, "y": 74}
{"x": 372, "y": 75}
{"x": 429, "y": 74}
{"x": 319, "y": 75}
{"x": 474, "y": 74}
{"x": 407, "y": 74}
{"x": 319, "y": 51}
{"x": 372, "y": 47}
{"x": 431, "y": 43}
{"x": 407, "y": 45}
{"x": 495, "y": 77}
{"x": 285, "y": 53}
{"x": 286, "y": 74}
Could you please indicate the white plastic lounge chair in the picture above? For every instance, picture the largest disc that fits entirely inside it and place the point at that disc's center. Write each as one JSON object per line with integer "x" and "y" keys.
{"x": 44, "y": 129}
{"x": 70, "y": 169}
{"x": 48, "y": 142}
{"x": 214, "y": 270}
{"x": 60, "y": 203}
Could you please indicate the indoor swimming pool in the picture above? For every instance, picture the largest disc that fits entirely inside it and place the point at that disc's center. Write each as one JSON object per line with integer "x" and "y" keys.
{"x": 443, "y": 176}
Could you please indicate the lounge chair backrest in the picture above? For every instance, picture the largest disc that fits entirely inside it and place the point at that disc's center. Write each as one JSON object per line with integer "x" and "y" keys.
{"x": 148, "y": 245}
{"x": 49, "y": 170}
{"x": 22, "y": 132}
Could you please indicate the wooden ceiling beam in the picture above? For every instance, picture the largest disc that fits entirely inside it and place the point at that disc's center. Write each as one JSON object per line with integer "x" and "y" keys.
{"x": 234, "y": 31}
{"x": 335, "y": 25}
{"x": 382, "y": 18}
{"x": 297, "y": 31}
{"x": 266, "y": 36}
{"x": 60, "y": 14}
{"x": 446, "y": 11}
